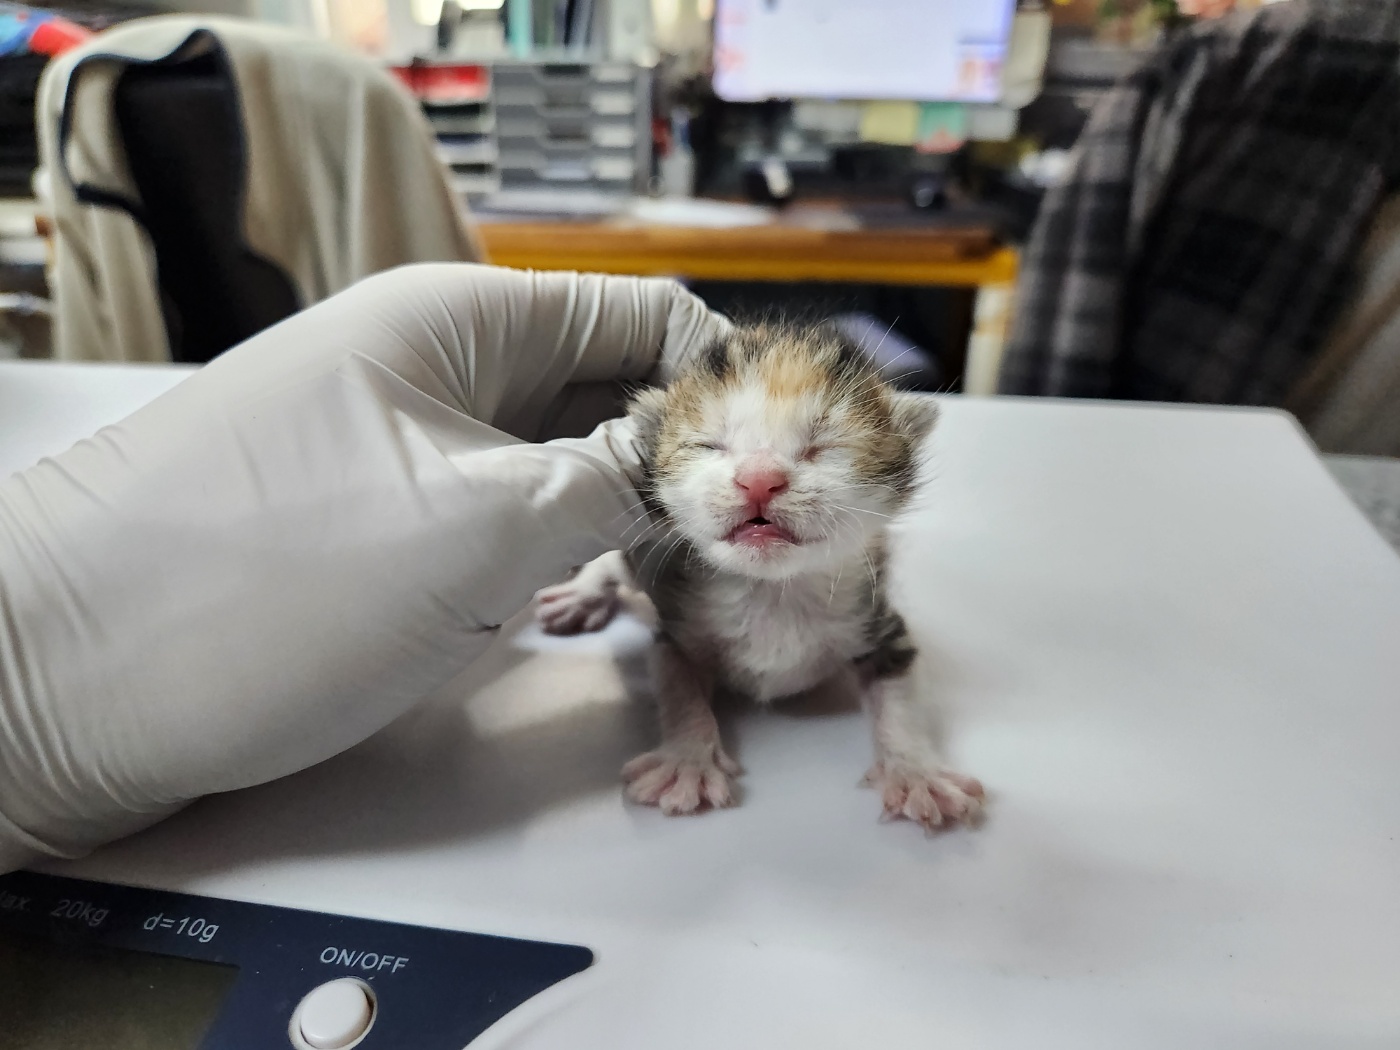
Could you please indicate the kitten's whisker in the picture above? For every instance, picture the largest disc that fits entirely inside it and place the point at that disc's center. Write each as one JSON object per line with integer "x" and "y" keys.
{"x": 885, "y": 336}
{"x": 862, "y": 510}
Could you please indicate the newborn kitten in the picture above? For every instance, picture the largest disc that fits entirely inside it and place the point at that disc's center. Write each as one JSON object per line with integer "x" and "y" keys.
{"x": 774, "y": 464}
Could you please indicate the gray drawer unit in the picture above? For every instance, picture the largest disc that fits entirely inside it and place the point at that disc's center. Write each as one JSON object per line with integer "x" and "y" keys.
{"x": 467, "y": 144}
{"x": 572, "y": 124}
{"x": 550, "y": 125}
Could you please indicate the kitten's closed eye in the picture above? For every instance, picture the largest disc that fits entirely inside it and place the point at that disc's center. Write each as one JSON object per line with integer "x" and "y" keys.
{"x": 705, "y": 446}
{"x": 811, "y": 452}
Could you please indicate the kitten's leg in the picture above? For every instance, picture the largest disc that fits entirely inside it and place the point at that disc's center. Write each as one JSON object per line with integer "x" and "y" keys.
{"x": 589, "y": 599}
{"x": 690, "y": 769}
{"x": 909, "y": 770}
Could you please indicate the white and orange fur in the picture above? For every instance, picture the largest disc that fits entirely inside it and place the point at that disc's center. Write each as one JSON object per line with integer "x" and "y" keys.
{"x": 775, "y": 463}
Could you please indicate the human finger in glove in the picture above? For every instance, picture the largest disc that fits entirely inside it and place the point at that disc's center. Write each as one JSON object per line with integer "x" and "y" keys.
{"x": 284, "y": 553}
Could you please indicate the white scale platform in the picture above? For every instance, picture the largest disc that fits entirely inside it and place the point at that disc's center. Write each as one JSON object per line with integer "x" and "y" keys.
{"x": 1169, "y": 646}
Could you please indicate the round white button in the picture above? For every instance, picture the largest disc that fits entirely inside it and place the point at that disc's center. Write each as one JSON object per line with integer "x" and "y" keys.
{"x": 334, "y": 1015}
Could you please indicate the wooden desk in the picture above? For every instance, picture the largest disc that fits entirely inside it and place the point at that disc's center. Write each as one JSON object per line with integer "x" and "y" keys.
{"x": 794, "y": 249}
{"x": 962, "y": 258}
{"x": 959, "y": 258}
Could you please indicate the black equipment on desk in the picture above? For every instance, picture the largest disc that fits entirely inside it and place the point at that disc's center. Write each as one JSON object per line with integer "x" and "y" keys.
{"x": 19, "y": 147}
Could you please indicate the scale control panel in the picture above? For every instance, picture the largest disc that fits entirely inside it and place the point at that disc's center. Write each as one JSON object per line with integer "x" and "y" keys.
{"x": 95, "y": 964}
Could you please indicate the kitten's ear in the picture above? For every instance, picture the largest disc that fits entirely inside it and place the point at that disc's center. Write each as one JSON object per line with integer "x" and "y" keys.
{"x": 913, "y": 415}
{"x": 850, "y": 355}
{"x": 646, "y": 410}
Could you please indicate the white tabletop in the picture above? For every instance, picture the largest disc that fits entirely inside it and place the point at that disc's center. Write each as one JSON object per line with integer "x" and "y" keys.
{"x": 45, "y": 406}
{"x": 1168, "y": 645}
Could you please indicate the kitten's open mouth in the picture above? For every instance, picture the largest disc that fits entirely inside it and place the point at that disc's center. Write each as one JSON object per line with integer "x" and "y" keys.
{"x": 760, "y": 532}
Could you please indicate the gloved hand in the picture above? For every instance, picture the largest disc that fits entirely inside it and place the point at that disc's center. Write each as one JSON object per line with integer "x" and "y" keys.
{"x": 288, "y": 550}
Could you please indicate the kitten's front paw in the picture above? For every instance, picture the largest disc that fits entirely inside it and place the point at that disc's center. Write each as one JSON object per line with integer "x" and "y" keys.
{"x": 930, "y": 796}
{"x": 682, "y": 780}
{"x": 577, "y": 606}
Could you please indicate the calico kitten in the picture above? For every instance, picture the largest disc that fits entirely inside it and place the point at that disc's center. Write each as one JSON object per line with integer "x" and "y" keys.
{"x": 774, "y": 464}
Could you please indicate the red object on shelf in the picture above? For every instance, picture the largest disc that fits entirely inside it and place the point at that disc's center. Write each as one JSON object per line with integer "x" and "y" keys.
{"x": 446, "y": 84}
{"x": 54, "y": 36}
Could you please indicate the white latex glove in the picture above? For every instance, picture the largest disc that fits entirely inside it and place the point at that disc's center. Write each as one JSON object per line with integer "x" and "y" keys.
{"x": 284, "y": 553}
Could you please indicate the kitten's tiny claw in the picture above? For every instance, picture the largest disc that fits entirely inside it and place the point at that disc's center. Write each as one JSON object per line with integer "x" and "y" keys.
{"x": 682, "y": 780}
{"x": 576, "y": 606}
{"x": 932, "y": 798}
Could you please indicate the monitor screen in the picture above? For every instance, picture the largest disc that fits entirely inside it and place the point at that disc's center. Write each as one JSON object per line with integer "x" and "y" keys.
{"x": 928, "y": 50}
{"x": 75, "y": 996}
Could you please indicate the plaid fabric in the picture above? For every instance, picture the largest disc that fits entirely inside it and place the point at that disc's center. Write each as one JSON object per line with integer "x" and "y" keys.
{"x": 1200, "y": 246}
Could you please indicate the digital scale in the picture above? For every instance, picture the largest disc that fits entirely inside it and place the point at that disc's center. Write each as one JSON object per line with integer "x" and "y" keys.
{"x": 87, "y": 964}
{"x": 1165, "y": 640}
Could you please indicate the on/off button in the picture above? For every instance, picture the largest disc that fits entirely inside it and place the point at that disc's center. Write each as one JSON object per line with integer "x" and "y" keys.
{"x": 334, "y": 1016}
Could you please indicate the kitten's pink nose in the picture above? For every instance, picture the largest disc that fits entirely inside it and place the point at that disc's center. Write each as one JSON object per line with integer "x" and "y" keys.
{"x": 760, "y": 481}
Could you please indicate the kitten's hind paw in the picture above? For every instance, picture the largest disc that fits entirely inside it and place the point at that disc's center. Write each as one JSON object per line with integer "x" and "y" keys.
{"x": 933, "y": 797}
{"x": 682, "y": 780}
{"x": 577, "y": 606}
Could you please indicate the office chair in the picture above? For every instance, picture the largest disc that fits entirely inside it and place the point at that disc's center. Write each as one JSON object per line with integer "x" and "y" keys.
{"x": 207, "y": 177}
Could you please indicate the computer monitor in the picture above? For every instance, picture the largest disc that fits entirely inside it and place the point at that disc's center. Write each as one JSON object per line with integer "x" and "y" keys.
{"x": 932, "y": 50}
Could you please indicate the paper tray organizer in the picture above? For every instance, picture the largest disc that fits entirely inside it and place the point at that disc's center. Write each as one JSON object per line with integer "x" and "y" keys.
{"x": 521, "y": 125}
